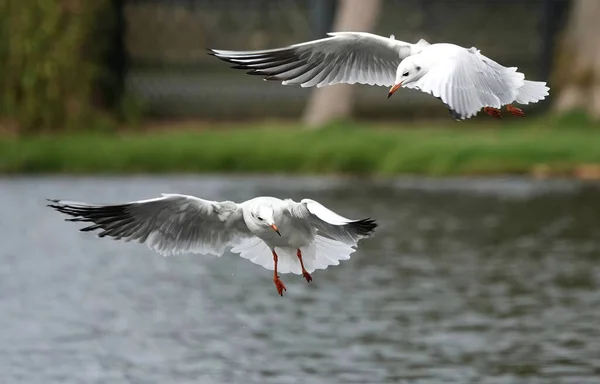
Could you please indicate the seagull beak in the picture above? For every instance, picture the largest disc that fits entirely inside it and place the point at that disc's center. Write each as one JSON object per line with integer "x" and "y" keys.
{"x": 275, "y": 229}
{"x": 394, "y": 89}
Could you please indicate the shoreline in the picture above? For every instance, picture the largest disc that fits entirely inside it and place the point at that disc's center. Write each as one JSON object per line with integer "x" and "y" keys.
{"x": 538, "y": 148}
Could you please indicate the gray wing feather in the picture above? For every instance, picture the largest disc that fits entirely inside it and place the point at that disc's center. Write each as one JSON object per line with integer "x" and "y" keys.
{"x": 344, "y": 57}
{"x": 330, "y": 224}
{"x": 168, "y": 225}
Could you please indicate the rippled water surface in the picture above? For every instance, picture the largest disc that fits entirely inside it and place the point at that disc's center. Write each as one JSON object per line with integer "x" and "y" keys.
{"x": 489, "y": 281}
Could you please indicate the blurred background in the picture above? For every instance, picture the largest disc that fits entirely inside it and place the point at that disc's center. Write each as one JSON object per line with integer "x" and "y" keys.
{"x": 484, "y": 267}
{"x": 129, "y": 59}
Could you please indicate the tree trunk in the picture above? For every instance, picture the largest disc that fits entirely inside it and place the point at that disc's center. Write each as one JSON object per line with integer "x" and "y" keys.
{"x": 335, "y": 101}
{"x": 577, "y": 68}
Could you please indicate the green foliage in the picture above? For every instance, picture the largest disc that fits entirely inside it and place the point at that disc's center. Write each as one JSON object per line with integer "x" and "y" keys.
{"x": 538, "y": 146}
{"x": 50, "y": 60}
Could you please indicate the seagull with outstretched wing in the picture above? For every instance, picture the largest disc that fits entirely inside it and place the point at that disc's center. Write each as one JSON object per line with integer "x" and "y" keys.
{"x": 465, "y": 80}
{"x": 281, "y": 235}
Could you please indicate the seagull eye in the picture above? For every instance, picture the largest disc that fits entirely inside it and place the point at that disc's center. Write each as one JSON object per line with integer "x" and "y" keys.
{"x": 418, "y": 68}
{"x": 405, "y": 74}
{"x": 259, "y": 218}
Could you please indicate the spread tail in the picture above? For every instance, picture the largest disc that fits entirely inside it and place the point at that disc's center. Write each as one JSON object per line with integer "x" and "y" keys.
{"x": 532, "y": 92}
{"x": 320, "y": 254}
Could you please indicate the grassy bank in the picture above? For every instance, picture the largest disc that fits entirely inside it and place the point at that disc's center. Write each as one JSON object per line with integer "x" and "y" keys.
{"x": 541, "y": 146}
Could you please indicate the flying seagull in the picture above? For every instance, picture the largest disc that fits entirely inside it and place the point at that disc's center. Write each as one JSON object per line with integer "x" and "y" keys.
{"x": 281, "y": 235}
{"x": 465, "y": 80}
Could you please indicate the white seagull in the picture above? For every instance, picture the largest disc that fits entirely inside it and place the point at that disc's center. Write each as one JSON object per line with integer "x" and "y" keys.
{"x": 465, "y": 80}
{"x": 280, "y": 235}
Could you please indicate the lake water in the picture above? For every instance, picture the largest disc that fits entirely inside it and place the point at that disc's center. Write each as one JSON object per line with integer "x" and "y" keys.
{"x": 486, "y": 281}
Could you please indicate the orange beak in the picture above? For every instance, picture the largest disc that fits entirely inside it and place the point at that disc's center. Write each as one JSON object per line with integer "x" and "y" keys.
{"x": 275, "y": 229}
{"x": 394, "y": 89}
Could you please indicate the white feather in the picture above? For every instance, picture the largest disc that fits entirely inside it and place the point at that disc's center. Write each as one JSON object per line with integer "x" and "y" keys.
{"x": 343, "y": 57}
{"x": 169, "y": 225}
{"x": 464, "y": 79}
{"x": 319, "y": 254}
{"x": 324, "y": 213}
{"x": 532, "y": 92}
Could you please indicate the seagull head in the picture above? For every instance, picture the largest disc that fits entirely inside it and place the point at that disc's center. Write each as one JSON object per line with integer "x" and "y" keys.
{"x": 409, "y": 70}
{"x": 264, "y": 216}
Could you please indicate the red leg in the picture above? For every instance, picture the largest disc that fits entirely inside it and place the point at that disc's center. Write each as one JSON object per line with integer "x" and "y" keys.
{"x": 514, "y": 111}
{"x": 305, "y": 273}
{"x": 278, "y": 284}
{"x": 493, "y": 112}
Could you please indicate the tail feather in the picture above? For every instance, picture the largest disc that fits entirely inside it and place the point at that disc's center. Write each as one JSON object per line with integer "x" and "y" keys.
{"x": 532, "y": 92}
{"x": 320, "y": 254}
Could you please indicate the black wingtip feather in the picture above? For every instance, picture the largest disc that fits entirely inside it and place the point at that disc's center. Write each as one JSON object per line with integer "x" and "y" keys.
{"x": 364, "y": 227}
{"x": 102, "y": 217}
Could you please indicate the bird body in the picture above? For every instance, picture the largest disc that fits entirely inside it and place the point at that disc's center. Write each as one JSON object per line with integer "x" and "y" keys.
{"x": 281, "y": 235}
{"x": 464, "y": 79}
{"x": 298, "y": 233}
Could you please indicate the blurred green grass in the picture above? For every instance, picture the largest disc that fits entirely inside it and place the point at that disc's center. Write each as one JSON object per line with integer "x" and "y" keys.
{"x": 557, "y": 146}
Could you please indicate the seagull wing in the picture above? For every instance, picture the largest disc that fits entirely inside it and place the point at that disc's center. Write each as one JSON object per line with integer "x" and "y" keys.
{"x": 344, "y": 57}
{"x": 468, "y": 81}
{"x": 168, "y": 225}
{"x": 330, "y": 224}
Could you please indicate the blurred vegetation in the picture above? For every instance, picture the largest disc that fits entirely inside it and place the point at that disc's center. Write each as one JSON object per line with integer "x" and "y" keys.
{"x": 543, "y": 147}
{"x": 53, "y": 62}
